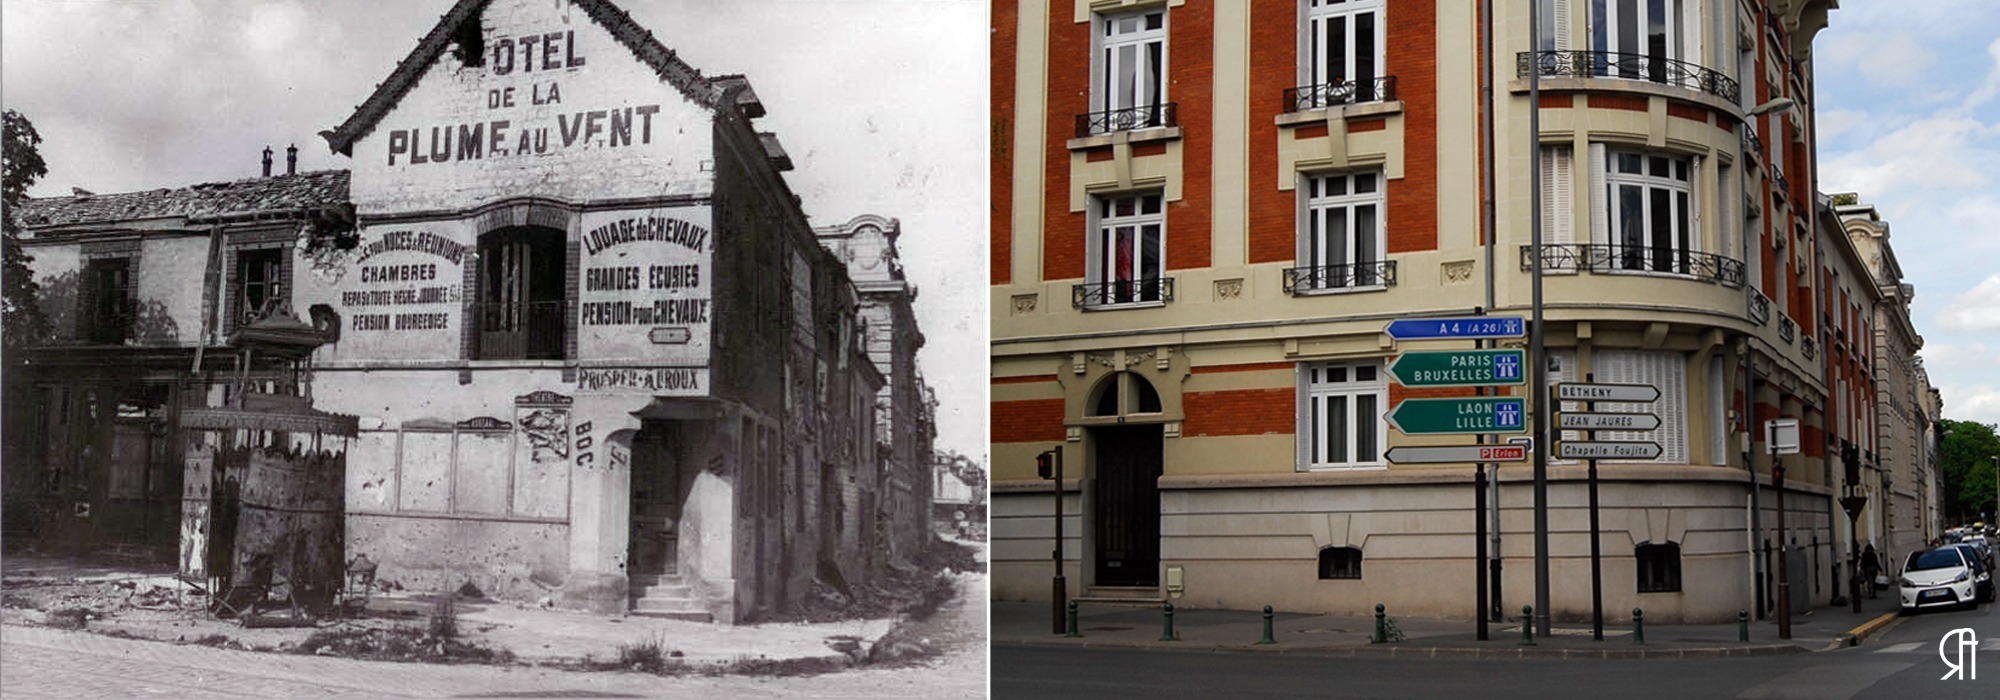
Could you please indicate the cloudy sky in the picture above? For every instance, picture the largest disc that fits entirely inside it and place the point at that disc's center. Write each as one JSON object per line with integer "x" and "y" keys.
{"x": 881, "y": 104}
{"x": 1908, "y": 118}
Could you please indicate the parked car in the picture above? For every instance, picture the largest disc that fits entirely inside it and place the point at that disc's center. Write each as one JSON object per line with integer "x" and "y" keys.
{"x": 1941, "y": 577}
{"x": 1982, "y": 570}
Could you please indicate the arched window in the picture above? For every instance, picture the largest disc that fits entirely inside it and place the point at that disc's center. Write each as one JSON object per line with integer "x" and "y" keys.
{"x": 1340, "y": 562}
{"x": 1659, "y": 567}
{"x": 1124, "y": 393}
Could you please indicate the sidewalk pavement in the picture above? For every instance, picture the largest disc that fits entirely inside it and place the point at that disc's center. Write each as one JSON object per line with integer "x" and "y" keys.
{"x": 532, "y": 634}
{"x": 1108, "y": 625}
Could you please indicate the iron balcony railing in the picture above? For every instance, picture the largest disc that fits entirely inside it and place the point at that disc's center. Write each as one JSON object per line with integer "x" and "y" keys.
{"x": 1810, "y": 347}
{"x": 1324, "y": 95}
{"x": 1760, "y": 307}
{"x": 1628, "y": 66}
{"x": 1127, "y": 119}
{"x": 1753, "y": 143}
{"x": 1381, "y": 273}
{"x": 1786, "y": 328}
{"x": 1151, "y": 290}
{"x": 519, "y": 330}
{"x": 1779, "y": 185}
{"x": 1611, "y": 258}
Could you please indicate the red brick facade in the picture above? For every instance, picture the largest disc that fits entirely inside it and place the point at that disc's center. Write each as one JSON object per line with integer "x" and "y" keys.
{"x": 1027, "y": 421}
{"x": 1000, "y": 238}
{"x": 1239, "y": 412}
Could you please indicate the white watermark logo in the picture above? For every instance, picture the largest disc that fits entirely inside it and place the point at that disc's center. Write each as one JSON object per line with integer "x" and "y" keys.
{"x": 1967, "y": 664}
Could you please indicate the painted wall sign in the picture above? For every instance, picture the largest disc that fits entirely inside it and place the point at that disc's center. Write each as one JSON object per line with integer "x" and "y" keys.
{"x": 399, "y": 270}
{"x": 646, "y": 299}
{"x": 551, "y": 105}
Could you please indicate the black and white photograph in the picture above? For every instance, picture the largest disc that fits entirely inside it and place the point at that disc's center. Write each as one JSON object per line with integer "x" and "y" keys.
{"x": 494, "y": 348}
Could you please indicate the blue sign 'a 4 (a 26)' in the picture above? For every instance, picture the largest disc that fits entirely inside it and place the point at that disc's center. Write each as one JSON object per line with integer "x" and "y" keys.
{"x": 1468, "y": 328}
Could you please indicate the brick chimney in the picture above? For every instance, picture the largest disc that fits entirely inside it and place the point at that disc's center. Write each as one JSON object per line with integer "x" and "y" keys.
{"x": 267, "y": 161}
{"x": 292, "y": 159}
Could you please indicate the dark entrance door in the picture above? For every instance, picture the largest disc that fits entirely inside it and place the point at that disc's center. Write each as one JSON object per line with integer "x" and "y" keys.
{"x": 1127, "y": 505}
{"x": 656, "y": 504}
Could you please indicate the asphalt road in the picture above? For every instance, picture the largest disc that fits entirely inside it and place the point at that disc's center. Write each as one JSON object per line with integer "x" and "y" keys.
{"x": 1900, "y": 662}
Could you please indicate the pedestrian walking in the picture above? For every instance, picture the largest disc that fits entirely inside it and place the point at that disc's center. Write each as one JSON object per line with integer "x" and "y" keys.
{"x": 1871, "y": 568}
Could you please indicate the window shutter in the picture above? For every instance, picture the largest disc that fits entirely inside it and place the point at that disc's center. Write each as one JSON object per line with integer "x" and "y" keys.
{"x": 1559, "y": 16}
{"x": 1695, "y": 179}
{"x": 1666, "y": 370}
{"x": 1600, "y": 198}
{"x": 1558, "y": 195}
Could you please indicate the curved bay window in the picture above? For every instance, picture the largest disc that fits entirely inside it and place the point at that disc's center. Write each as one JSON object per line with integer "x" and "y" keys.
{"x": 1650, "y": 211}
{"x": 521, "y": 295}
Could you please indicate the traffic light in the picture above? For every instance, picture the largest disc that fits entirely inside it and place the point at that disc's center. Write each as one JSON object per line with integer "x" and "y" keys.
{"x": 1045, "y": 465}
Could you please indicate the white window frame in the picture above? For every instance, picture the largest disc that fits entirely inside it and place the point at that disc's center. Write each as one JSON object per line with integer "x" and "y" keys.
{"x": 1324, "y": 22}
{"x": 1107, "y": 225}
{"x": 1322, "y": 197}
{"x": 1123, "y": 40}
{"x": 1609, "y": 19}
{"x": 1319, "y": 389}
{"x": 1632, "y": 243}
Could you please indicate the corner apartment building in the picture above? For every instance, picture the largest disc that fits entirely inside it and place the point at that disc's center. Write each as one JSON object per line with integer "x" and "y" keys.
{"x": 1904, "y": 415}
{"x": 1205, "y": 215}
{"x": 597, "y": 355}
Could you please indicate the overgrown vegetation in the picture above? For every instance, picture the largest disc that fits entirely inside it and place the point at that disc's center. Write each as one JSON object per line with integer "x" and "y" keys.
{"x": 398, "y": 644}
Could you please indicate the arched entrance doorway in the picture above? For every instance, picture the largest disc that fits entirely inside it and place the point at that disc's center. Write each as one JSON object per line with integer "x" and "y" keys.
{"x": 1128, "y": 460}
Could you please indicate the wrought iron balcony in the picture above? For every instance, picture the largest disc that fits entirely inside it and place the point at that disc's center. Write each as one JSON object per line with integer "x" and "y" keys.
{"x": 519, "y": 330}
{"x": 1760, "y": 307}
{"x": 1151, "y": 290}
{"x": 1779, "y": 185}
{"x": 1127, "y": 119}
{"x": 1753, "y": 143}
{"x": 1301, "y": 280}
{"x": 1628, "y": 66}
{"x": 1324, "y": 95}
{"x": 1615, "y": 258}
{"x": 1810, "y": 347}
{"x": 1786, "y": 329}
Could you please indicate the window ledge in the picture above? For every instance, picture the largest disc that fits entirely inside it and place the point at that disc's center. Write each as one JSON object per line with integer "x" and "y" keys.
{"x": 1134, "y": 136}
{"x": 1364, "y": 467}
{"x": 1362, "y": 110}
{"x": 1333, "y": 291}
{"x": 516, "y": 364}
{"x": 1125, "y": 306}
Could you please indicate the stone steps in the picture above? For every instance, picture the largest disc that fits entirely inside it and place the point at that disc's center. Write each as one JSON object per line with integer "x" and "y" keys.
{"x": 666, "y": 596}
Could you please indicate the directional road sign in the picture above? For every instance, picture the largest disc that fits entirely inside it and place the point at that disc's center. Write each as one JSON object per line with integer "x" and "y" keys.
{"x": 1607, "y": 421}
{"x": 1469, "y": 327}
{"x": 1459, "y": 416}
{"x": 1625, "y": 393}
{"x": 1459, "y": 367}
{"x": 1608, "y": 450}
{"x": 1457, "y": 453}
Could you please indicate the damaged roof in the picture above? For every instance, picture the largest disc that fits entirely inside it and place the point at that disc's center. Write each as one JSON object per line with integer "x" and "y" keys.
{"x": 706, "y": 92}
{"x": 245, "y": 198}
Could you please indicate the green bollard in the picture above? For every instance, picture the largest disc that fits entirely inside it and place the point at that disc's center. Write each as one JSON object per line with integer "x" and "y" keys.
{"x": 1638, "y": 626}
{"x": 1381, "y": 626}
{"x": 1527, "y": 625}
{"x": 1742, "y": 625}
{"x": 1072, "y": 621}
{"x": 1268, "y": 639}
{"x": 1167, "y": 631}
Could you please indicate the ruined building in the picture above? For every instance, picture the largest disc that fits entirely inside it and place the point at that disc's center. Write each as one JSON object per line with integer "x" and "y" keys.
{"x": 594, "y": 351}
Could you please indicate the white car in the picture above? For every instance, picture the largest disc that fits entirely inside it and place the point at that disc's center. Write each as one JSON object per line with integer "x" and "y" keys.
{"x": 1937, "y": 578}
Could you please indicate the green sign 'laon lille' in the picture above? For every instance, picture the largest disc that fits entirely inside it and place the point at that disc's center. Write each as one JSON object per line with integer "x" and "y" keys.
{"x": 1503, "y": 414}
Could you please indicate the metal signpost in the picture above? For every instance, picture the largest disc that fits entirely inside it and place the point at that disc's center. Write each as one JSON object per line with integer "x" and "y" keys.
{"x": 1589, "y": 421}
{"x": 1482, "y": 415}
{"x": 1783, "y": 436}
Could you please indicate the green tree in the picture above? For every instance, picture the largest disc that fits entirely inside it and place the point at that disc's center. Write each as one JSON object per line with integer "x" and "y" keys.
{"x": 1969, "y": 482}
{"x": 22, "y": 317}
